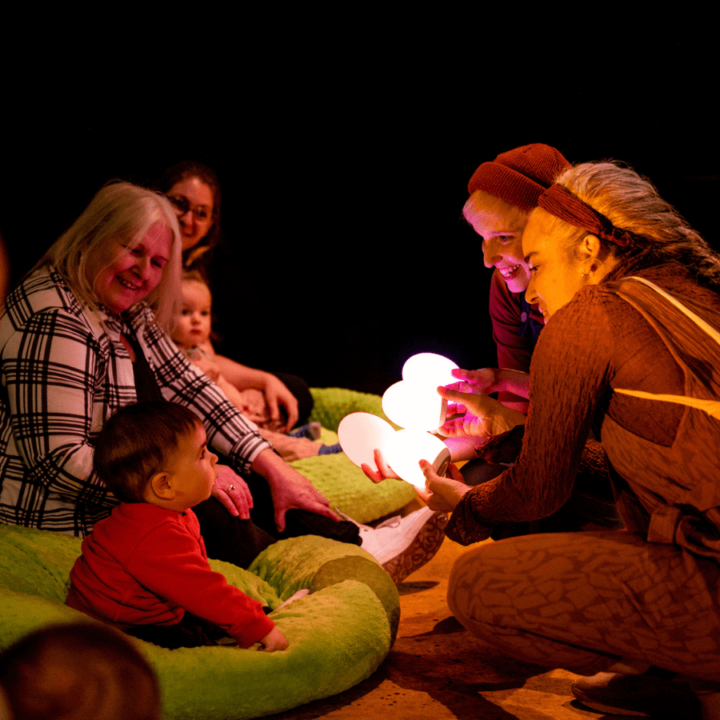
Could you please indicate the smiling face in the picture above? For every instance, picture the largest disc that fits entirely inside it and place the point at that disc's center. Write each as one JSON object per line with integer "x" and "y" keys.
{"x": 121, "y": 276}
{"x": 194, "y": 203}
{"x": 193, "y": 323}
{"x": 191, "y": 471}
{"x": 502, "y": 248}
{"x": 556, "y": 274}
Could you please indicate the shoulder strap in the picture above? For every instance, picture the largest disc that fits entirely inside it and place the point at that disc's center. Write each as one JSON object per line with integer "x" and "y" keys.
{"x": 714, "y": 334}
{"x": 711, "y": 407}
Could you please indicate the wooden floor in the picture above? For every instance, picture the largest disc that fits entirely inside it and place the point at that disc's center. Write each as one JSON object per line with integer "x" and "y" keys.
{"x": 436, "y": 670}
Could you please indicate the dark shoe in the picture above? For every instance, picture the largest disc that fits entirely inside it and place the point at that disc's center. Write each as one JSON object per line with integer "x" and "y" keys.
{"x": 637, "y": 696}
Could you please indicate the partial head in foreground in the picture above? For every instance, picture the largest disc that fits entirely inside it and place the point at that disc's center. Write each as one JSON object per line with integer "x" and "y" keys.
{"x": 597, "y": 216}
{"x": 502, "y": 194}
{"x": 75, "y": 672}
{"x": 155, "y": 452}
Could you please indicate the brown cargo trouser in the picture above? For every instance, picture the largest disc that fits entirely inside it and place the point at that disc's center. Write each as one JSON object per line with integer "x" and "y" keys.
{"x": 583, "y": 601}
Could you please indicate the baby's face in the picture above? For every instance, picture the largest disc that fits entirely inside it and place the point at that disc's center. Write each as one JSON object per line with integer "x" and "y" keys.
{"x": 192, "y": 469}
{"x": 193, "y": 323}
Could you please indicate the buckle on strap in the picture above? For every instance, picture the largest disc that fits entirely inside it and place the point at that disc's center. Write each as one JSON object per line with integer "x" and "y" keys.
{"x": 664, "y": 524}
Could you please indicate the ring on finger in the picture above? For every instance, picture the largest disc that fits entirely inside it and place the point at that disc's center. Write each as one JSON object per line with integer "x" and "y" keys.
{"x": 232, "y": 487}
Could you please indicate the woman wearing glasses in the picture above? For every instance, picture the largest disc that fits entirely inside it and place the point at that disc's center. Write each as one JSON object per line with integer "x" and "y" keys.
{"x": 84, "y": 335}
{"x": 194, "y": 191}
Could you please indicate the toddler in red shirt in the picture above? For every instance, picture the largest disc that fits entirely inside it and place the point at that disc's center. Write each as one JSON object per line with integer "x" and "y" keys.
{"x": 144, "y": 569}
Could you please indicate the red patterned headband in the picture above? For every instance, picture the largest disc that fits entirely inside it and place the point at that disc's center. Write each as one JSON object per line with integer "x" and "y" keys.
{"x": 564, "y": 205}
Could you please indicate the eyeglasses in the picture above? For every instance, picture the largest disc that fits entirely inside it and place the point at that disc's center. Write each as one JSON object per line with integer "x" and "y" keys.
{"x": 182, "y": 205}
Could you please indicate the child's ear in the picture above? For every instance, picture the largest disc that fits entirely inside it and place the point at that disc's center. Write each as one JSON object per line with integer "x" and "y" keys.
{"x": 159, "y": 486}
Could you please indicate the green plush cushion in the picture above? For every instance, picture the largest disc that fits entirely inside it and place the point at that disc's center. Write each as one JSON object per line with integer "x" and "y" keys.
{"x": 317, "y": 563}
{"x": 343, "y": 484}
{"x": 338, "y": 635}
{"x": 333, "y": 404}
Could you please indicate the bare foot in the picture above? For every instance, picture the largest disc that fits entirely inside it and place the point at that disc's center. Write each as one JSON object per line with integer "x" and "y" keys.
{"x": 299, "y": 594}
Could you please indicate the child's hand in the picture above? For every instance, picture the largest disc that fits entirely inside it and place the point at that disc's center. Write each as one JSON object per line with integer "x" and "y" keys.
{"x": 253, "y": 406}
{"x": 273, "y": 641}
{"x": 383, "y": 469}
{"x": 296, "y": 596}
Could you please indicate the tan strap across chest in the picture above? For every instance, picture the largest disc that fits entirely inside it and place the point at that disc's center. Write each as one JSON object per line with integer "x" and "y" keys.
{"x": 711, "y": 407}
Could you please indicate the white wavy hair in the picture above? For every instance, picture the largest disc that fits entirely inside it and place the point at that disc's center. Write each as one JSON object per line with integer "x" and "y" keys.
{"x": 129, "y": 211}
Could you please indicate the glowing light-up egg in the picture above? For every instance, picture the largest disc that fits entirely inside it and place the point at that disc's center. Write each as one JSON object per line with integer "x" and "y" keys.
{"x": 405, "y": 450}
{"x": 429, "y": 367}
{"x": 414, "y": 405}
{"x": 360, "y": 434}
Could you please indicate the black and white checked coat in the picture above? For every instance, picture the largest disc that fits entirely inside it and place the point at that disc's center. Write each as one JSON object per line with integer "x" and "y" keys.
{"x": 64, "y": 372}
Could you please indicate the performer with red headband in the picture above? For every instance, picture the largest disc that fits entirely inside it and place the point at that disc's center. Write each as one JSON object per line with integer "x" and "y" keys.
{"x": 502, "y": 194}
{"x": 630, "y": 294}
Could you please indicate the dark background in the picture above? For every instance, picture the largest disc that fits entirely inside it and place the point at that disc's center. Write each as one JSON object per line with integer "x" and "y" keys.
{"x": 344, "y": 143}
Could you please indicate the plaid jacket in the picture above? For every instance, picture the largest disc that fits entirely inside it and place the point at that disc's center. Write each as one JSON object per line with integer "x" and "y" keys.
{"x": 64, "y": 372}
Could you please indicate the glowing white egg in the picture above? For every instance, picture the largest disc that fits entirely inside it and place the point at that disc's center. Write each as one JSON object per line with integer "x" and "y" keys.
{"x": 360, "y": 434}
{"x": 406, "y": 448}
{"x": 414, "y": 405}
{"x": 429, "y": 367}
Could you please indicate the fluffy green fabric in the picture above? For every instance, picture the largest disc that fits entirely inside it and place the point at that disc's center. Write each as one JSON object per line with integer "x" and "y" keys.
{"x": 333, "y": 404}
{"x": 343, "y": 484}
{"x": 338, "y": 635}
{"x": 318, "y": 563}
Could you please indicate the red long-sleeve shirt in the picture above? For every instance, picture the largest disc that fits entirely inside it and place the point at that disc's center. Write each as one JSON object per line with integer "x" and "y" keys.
{"x": 515, "y": 343}
{"x": 145, "y": 565}
{"x": 514, "y": 350}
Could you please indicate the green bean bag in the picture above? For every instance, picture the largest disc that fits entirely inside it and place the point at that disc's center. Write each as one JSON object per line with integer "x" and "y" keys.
{"x": 338, "y": 635}
{"x": 343, "y": 484}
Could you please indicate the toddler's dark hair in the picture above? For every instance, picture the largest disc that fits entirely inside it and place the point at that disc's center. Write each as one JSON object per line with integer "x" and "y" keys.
{"x": 78, "y": 671}
{"x": 137, "y": 442}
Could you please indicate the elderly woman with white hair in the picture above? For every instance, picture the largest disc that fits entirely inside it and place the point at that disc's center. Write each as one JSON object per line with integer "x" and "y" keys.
{"x": 631, "y": 298}
{"x": 84, "y": 335}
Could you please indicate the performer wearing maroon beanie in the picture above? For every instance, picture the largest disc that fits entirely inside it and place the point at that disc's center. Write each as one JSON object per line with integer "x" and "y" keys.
{"x": 502, "y": 194}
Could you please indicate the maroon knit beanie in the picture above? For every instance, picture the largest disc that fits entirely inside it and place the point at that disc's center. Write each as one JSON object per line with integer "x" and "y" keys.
{"x": 521, "y": 175}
